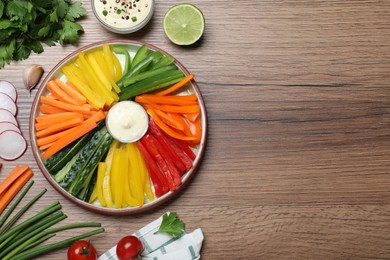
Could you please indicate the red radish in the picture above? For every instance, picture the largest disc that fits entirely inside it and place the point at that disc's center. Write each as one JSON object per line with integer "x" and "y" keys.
{"x": 12, "y": 145}
{"x": 6, "y": 87}
{"x": 7, "y": 103}
{"x": 6, "y": 116}
{"x": 4, "y": 126}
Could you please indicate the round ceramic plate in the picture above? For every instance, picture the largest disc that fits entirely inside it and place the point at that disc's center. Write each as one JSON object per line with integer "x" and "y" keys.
{"x": 132, "y": 47}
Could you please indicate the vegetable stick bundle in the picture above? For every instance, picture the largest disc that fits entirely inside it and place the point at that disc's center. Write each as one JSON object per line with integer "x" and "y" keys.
{"x": 66, "y": 116}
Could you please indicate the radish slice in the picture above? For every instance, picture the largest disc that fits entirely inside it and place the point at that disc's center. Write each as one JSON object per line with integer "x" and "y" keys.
{"x": 6, "y": 102}
{"x": 6, "y": 116}
{"x": 5, "y": 126}
{"x": 6, "y": 87}
{"x": 13, "y": 145}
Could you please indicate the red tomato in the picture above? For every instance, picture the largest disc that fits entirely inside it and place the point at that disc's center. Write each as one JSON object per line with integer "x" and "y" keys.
{"x": 82, "y": 250}
{"x": 129, "y": 248}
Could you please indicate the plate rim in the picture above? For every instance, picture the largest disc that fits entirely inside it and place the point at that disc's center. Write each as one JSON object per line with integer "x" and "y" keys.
{"x": 113, "y": 211}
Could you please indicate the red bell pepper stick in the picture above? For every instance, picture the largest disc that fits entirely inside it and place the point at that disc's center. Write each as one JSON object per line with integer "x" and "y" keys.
{"x": 176, "y": 176}
{"x": 160, "y": 187}
{"x": 170, "y": 150}
{"x": 183, "y": 145}
{"x": 152, "y": 149}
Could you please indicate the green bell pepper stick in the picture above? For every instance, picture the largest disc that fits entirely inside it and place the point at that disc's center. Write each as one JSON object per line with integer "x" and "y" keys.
{"x": 158, "y": 81}
{"x": 121, "y": 50}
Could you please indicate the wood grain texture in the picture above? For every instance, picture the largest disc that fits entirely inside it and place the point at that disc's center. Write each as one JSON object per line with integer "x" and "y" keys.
{"x": 297, "y": 161}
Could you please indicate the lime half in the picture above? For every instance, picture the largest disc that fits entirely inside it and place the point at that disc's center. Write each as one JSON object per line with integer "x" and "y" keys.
{"x": 184, "y": 24}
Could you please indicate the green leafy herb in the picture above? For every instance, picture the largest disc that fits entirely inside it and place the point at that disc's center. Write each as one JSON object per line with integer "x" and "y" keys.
{"x": 26, "y": 24}
{"x": 171, "y": 225}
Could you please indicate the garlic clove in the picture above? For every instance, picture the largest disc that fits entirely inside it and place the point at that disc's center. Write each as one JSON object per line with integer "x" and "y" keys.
{"x": 31, "y": 76}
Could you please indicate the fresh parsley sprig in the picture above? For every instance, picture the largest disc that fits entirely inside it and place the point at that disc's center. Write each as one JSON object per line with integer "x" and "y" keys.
{"x": 171, "y": 225}
{"x": 26, "y": 24}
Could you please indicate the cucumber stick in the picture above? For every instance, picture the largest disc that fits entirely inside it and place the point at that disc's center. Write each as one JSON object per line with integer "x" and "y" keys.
{"x": 56, "y": 162}
{"x": 86, "y": 172}
{"x": 85, "y": 155}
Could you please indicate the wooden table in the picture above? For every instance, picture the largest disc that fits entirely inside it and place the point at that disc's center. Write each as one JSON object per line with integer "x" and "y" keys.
{"x": 297, "y": 160}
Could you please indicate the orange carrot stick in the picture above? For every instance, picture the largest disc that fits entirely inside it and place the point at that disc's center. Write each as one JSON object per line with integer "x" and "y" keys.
{"x": 100, "y": 115}
{"x": 64, "y": 106}
{"x": 71, "y": 91}
{"x": 77, "y": 132}
{"x": 168, "y": 130}
{"x": 55, "y": 120}
{"x": 12, "y": 176}
{"x": 51, "y": 138}
{"x": 44, "y": 147}
{"x": 43, "y": 118}
{"x": 59, "y": 93}
{"x": 14, "y": 189}
{"x": 168, "y": 100}
{"x": 46, "y": 109}
{"x": 191, "y": 116}
{"x": 59, "y": 127}
{"x": 176, "y": 109}
{"x": 176, "y": 86}
{"x": 170, "y": 120}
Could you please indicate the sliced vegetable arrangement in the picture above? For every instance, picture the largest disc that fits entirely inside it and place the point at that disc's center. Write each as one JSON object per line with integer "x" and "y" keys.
{"x": 22, "y": 239}
{"x": 78, "y": 150}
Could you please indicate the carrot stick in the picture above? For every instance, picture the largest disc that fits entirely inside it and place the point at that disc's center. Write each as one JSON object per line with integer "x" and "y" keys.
{"x": 12, "y": 176}
{"x": 76, "y": 133}
{"x": 175, "y": 86}
{"x": 191, "y": 116}
{"x": 92, "y": 108}
{"x": 51, "y": 138}
{"x": 55, "y": 120}
{"x": 14, "y": 189}
{"x": 170, "y": 120}
{"x": 65, "y": 106}
{"x": 168, "y": 100}
{"x": 168, "y": 130}
{"x": 46, "y": 109}
{"x": 46, "y": 146}
{"x": 100, "y": 115}
{"x": 43, "y": 118}
{"x": 71, "y": 91}
{"x": 59, "y": 93}
{"x": 59, "y": 127}
{"x": 176, "y": 109}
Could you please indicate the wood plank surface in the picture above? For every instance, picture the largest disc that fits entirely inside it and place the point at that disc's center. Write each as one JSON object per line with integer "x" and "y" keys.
{"x": 297, "y": 160}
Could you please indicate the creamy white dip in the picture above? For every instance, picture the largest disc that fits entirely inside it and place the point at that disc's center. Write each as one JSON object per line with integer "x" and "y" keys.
{"x": 127, "y": 121}
{"x": 123, "y": 15}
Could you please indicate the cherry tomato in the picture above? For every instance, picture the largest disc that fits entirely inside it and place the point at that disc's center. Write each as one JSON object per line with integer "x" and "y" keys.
{"x": 82, "y": 250}
{"x": 129, "y": 248}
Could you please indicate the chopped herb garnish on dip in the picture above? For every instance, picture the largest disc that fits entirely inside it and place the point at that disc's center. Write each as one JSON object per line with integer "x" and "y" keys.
{"x": 122, "y": 14}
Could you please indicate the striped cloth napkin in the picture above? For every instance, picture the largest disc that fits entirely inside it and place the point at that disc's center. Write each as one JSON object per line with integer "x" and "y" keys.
{"x": 162, "y": 246}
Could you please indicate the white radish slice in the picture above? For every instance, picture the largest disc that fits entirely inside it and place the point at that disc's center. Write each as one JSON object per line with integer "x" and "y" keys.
{"x": 6, "y": 116}
{"x": 7, "y": 103}
{"x": 5, "y": 126}
{"x": 13, "y": 145}
{"x": 6, "y": 87}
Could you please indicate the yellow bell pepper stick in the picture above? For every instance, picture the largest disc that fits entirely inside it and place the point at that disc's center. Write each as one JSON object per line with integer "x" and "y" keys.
{"x": 119, "y": 162}
{"x": 95, "y": 65}
{"x": 93, "y": 79}
{"x": 145, "y": 176}
{"x": 107, "y": 54}
{"x": 106, "y": 185}
{"x": 93, "y": 195}
{"x": 92, "y": 97}
{"x": 103, "y": 66}
{"x": 102, "y": 166}
{"x": 136, "y": 178}
{"x": 118, "y": 68}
